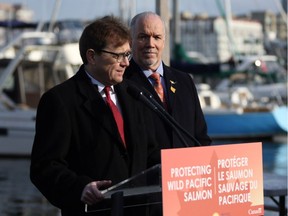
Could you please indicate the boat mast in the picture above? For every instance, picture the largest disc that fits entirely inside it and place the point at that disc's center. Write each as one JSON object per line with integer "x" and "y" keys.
{"x": 227, "y": 16}
{"x": 162, "y": 9}
{"x": 176, "y": 23}
{"x": 54, "y": 15}
{"x": 127, "y": 9}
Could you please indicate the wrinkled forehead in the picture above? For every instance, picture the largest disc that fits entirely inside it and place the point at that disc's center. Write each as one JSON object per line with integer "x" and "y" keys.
{"x": 150, "y": 24}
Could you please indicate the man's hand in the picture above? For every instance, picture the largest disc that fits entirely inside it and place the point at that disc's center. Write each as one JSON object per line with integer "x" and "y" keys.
{"x": 92, "y": 194}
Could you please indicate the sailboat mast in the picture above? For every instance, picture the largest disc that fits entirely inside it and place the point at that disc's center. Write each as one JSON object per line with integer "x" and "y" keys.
{"x": 54, "y": 14}
{"x": 176, "y": 23}
{"x": 228, "y": 19}
{"x": 127, "y": 9}
{"x": 162, "y": 8}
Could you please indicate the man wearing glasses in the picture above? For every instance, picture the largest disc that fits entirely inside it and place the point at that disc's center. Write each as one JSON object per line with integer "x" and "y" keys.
{"x": 90, "y": 133}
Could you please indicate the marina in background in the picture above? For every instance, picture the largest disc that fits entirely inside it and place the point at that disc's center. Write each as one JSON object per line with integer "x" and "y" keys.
{"x": 36, "y": 56}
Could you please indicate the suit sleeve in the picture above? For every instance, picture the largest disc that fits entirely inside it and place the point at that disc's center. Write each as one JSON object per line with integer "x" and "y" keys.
{"x": 49, "y": 170}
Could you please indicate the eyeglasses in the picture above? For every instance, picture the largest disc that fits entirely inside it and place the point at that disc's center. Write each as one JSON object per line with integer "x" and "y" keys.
{"x": 119, "y": 56}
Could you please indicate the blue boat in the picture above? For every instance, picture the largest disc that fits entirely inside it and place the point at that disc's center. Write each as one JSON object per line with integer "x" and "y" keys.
{"x": 234, "y": 124}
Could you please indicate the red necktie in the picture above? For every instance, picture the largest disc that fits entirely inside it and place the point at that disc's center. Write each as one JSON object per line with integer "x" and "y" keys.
{"x": 158, "y": 86}
{"x": 116, "y": 113}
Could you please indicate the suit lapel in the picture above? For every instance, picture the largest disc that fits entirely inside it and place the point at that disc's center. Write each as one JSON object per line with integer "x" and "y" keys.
{"x": 95, "y": 105}
{"x": 138, "y": 76}
{"x": 135, "y": 74}
{"x": 92, "y": 99}
{"x": 171, "y": 86}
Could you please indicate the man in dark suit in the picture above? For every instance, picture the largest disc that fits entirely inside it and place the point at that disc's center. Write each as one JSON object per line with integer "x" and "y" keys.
{"x": 180, "y": 95}
{"x": 78, "y": 149}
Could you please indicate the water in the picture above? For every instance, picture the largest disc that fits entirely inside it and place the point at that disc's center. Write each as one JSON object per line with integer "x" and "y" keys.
{"x": 18, "y": 197}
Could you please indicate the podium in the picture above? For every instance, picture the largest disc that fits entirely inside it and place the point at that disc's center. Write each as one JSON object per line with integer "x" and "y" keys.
{"x": 208, "y": 180}
{"x": 138, "y": 193}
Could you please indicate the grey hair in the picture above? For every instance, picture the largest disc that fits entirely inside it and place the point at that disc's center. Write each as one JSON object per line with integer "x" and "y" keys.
{"x": 141, "y": 15}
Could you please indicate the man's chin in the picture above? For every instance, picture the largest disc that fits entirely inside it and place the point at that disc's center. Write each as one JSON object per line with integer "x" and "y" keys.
{"x": 117, "y": 80}
{"x": 149, "y": 62}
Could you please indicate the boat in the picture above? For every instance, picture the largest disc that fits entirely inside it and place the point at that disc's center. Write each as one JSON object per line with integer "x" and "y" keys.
{"x": 243, "y": 118}
{"x": 30, "y": 64}
{"x": 231, "y": 124}
{"x": 265, "y": 78}
{"x": 243, "y": 102}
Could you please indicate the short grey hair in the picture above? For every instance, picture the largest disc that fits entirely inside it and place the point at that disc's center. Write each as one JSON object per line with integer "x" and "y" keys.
{"x": 139, "y": 16}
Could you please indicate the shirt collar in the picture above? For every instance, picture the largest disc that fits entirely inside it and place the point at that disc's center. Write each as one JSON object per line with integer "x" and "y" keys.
{"x": 158, "y": 70}
{"x": 99, "y": 84}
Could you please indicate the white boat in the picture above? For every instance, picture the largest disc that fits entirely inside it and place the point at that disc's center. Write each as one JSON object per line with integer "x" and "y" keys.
{"x": 263, "y": 76}
{"x": 29, "y": 65}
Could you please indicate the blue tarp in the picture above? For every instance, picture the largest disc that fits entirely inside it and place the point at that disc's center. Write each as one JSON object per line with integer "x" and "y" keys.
{"x": 17, "y": 24}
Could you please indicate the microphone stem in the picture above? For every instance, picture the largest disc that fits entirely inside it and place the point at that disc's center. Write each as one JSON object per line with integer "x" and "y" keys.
{"x": 172, "y": 124}
{"x": 158, "y": 109}
{"x": 172, "y": 120}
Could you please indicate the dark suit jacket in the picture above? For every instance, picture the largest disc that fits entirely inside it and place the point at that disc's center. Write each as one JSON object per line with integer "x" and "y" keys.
{"x": 76, "y": 141}
{"x": 183, "y": 105}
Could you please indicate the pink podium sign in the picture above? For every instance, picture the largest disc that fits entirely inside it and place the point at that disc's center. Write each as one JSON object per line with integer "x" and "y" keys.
{"x": 222, "y": 180}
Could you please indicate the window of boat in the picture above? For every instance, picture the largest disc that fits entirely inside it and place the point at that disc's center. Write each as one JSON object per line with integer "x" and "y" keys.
{"x": 29, "y": 81}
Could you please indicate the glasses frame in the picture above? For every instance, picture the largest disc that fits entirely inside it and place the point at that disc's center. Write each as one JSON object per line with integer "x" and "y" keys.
{"x": 117, "y": 56}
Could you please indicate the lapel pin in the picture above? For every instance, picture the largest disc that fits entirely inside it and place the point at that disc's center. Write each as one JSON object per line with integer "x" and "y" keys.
{"x": 172, "y": 88}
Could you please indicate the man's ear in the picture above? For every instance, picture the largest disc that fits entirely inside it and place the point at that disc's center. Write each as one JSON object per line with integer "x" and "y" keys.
{"x": 90, "y": 55}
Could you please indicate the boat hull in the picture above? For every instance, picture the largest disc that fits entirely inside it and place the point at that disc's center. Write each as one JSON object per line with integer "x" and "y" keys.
{"x": 17, "y": 130}
{"x": 247, "y": 125}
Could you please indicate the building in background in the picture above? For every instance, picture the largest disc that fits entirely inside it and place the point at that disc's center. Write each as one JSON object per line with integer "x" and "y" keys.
{"x": 211, "y": 37}
{"x": 220, "y": 40}
{"x": 257, "y": 33}
{"x": 275, "y": 33}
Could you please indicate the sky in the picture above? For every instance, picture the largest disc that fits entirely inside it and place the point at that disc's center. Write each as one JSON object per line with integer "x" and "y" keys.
{"x": 90, "y": 9}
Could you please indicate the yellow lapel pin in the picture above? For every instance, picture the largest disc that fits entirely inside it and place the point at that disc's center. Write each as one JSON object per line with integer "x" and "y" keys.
{"x": 172, "y": 87}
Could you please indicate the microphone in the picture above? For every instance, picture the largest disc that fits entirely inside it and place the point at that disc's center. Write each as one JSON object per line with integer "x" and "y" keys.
{"x": 137, "y": 94}
{"x": 172, "y": 119}
{"x": 149, "y": 100}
